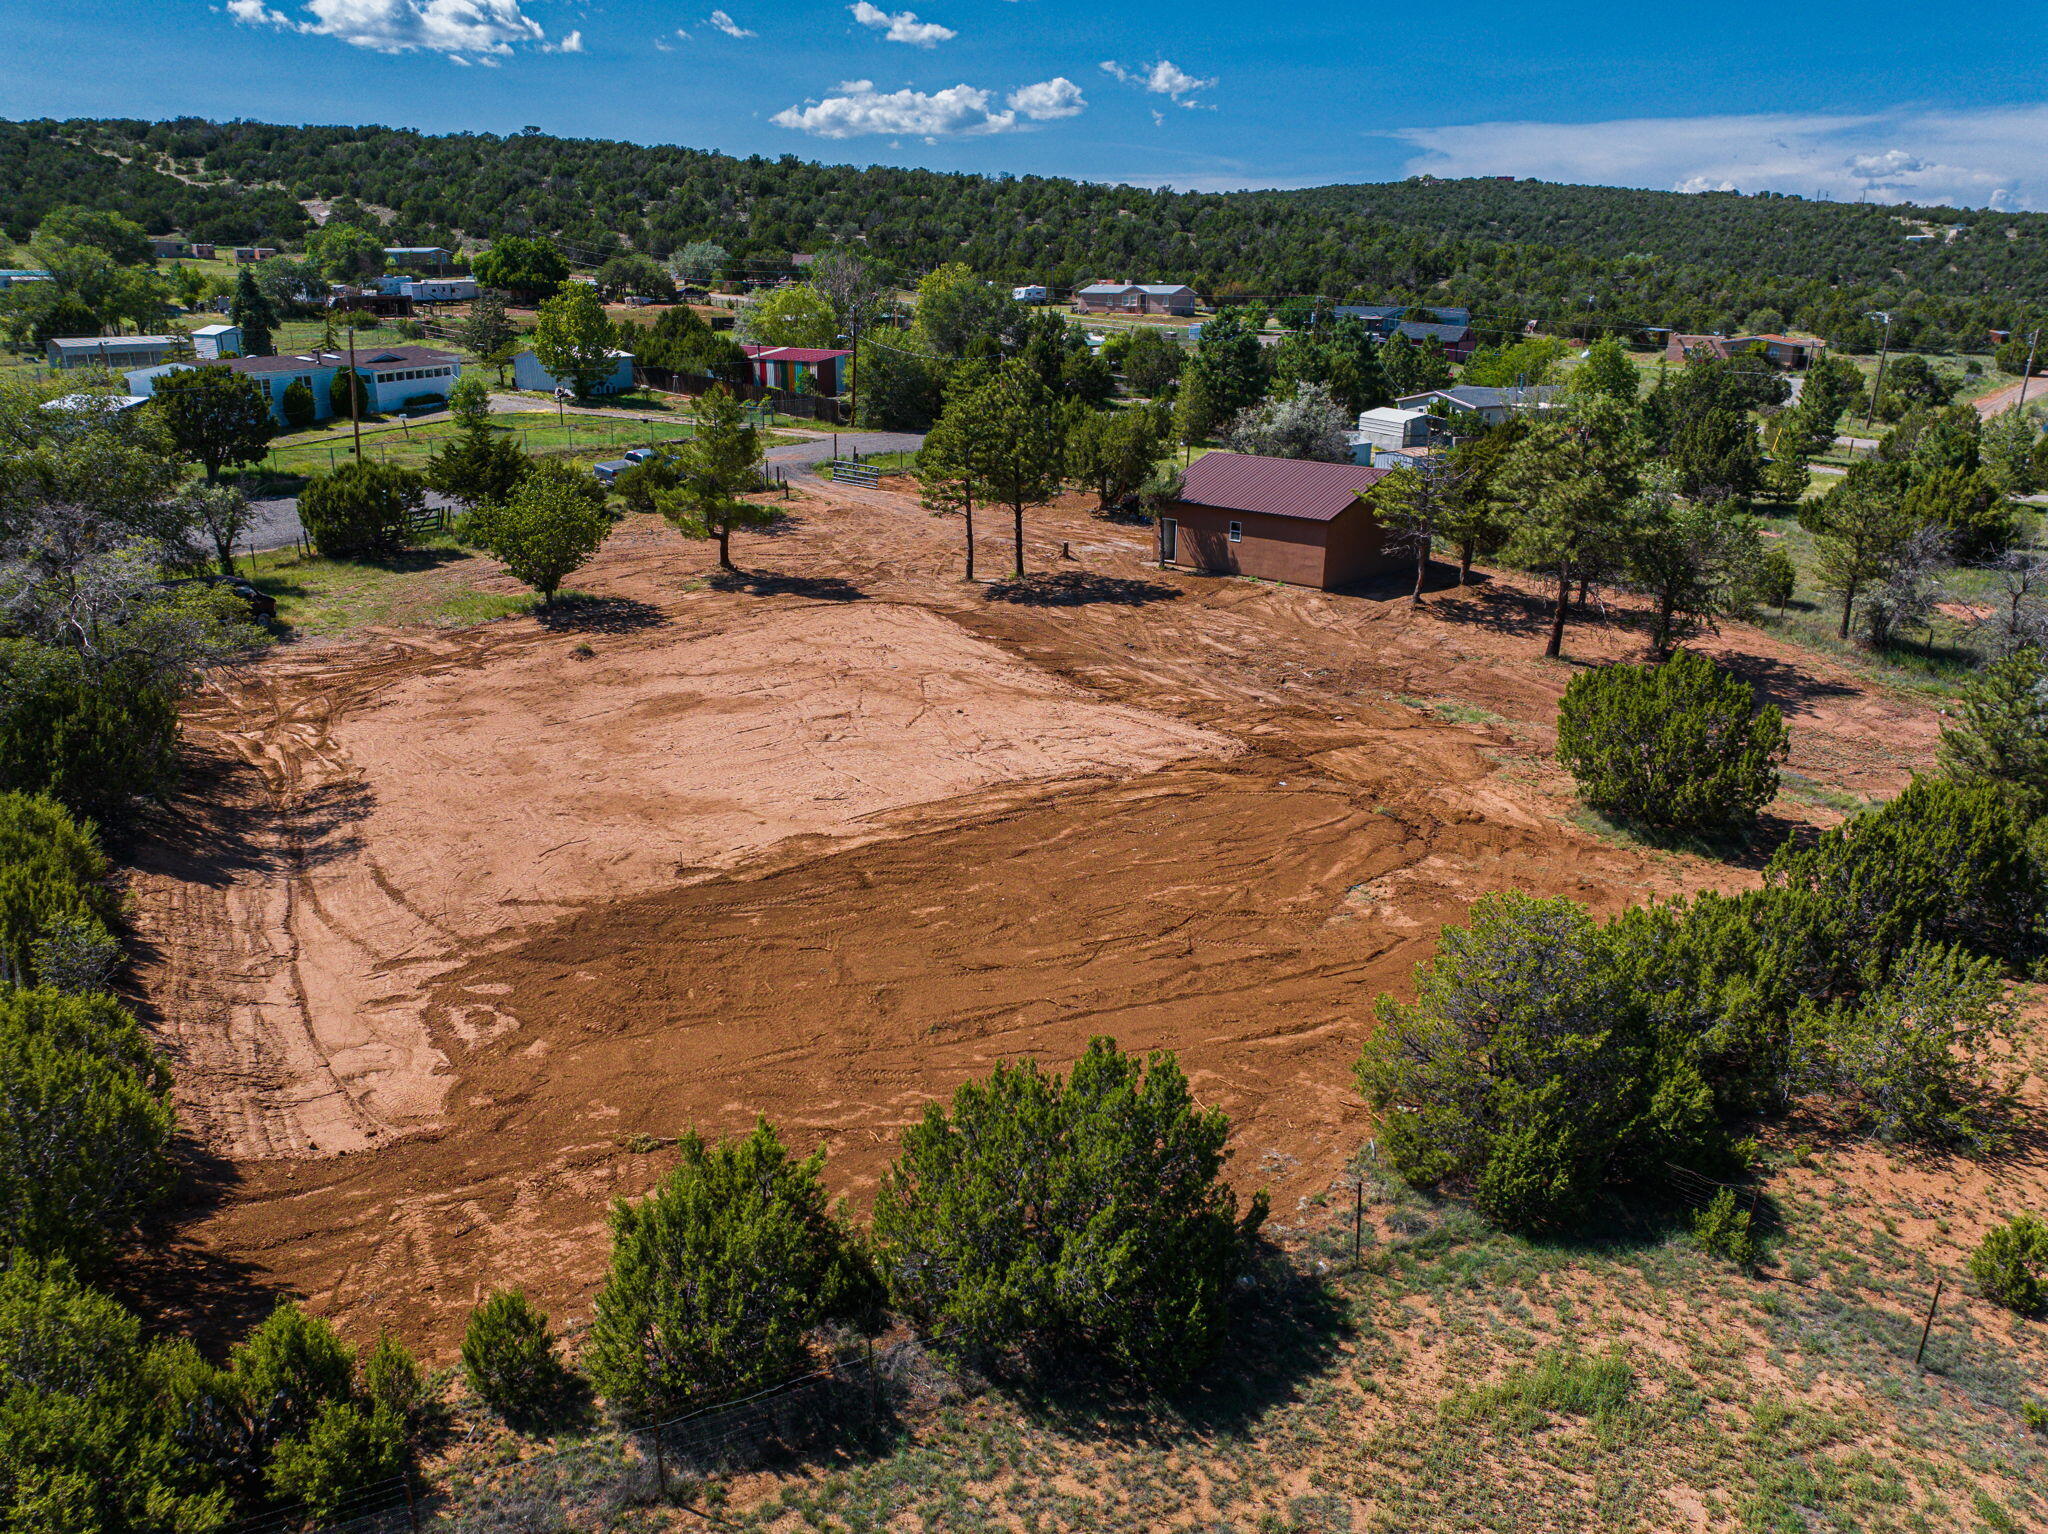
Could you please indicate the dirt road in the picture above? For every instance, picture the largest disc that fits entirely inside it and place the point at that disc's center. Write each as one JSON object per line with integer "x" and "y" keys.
{"x": 462, "y": 923}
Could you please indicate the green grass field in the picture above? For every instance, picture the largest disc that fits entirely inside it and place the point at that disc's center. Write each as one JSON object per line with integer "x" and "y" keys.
{"x": 427, "y": 585}
{"x": 411, "y": 443}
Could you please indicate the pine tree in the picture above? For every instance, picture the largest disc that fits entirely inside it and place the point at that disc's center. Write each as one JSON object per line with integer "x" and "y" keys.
{"x": 1022, "y": 459}
{"x": 2001, "y": 732}
{"x": 253, "y": 313}
{"x": 717, "y": 467}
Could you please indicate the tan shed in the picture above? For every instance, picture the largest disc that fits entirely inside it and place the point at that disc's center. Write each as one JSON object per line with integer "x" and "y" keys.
{"x": 1279, "y": 519}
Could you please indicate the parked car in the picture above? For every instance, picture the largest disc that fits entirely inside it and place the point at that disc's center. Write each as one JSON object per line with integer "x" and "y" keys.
{"x": 611, "y": 469}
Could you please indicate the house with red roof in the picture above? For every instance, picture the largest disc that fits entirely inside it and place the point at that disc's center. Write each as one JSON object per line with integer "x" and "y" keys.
{"x": 798, "y": 369}
{"x": 1278, "y": 519}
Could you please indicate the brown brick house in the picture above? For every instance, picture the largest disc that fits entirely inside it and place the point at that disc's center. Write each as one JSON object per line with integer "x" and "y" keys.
{"x": 1279, "y": 519}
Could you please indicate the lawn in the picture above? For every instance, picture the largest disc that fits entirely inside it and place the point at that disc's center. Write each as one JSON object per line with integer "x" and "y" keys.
{"x": 1936, "y": 656}
{"x": 411, "y": 443}
{"x": 430, "y": 585}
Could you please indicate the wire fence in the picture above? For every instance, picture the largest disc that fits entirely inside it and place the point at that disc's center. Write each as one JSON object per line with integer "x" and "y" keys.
{"x": 854, "y": 1393}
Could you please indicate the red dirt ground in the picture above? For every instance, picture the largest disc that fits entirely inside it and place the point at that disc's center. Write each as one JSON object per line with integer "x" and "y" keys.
{"x": 461, "y": 917}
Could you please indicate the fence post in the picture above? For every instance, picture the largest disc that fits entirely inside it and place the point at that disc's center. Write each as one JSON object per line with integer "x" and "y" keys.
{"x": 660, "y": 1465}
{"x": 1928, "y": 1325}
{"x": 412, "y": 1512}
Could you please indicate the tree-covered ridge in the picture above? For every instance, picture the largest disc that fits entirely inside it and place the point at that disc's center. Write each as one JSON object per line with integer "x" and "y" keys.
{"x": 1511, "y": 251}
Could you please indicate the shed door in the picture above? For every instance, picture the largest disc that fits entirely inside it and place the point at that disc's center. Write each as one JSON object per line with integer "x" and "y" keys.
{"x": 1169, "y": 540}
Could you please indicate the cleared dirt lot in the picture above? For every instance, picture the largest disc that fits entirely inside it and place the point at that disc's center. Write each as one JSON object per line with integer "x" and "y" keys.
{"x": 473, "y": 915}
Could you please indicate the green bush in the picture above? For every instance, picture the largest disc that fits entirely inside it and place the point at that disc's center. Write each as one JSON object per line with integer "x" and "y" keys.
{"x": 509, "y": 1359}
{"x": 348, "y": 396}
{"x": 344, "y": 1451}
{"x": 85, "y": 1124}
{"x": 1776, "y": 579}
{"x": 86, "y": 1444}
{"x": 2000, "y": 733}
{"x": 1945, "y": 862}
{"x": 300, "y": 408}
{"x": 361, "y": 509}
{"x": 392, "y": 1381}
{"x": 1912, "y": 1053}
{"x": 478, "y": 467}
{"x": 286, "y": 1373}
{"x": 717, "y": 1275}
{"x": 1073, "y": 1218}
{"x": 1723, "y": 1230}
{"x": 2010, "y": 1265}
{"x": 52, "y": 874}
{"x": 1531, "y": 1068}
{"x": 1682, "y": 746}
{"x": 638, "y": 486}
{"x": 94, "y": 737}
{"x": 546, "y": 531}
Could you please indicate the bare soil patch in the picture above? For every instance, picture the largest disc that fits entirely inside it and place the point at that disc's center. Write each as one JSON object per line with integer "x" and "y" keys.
{"x": 493, "y": 914}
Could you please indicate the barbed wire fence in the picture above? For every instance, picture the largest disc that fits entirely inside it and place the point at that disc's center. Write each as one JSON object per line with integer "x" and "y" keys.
{"x": 855, "y": 1394}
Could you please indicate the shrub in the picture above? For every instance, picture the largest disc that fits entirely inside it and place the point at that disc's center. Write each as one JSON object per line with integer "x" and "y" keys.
{"x": 300, "y": 408}
{"x": 639, "y": 485}
{"x": 392, "y": 1381}
{"x": 1529, "y": 1070}
{"x": 717, "y": 1275}
{"x": 1910, "y": 1052}
{"x": 469, "y": 402}
{"x": 1722, "y": 1230}
{"x": 1776, "y": 579}
{"x": 85, "y": 1123}
{"x": 85, "y": 1443}
{"x": 1682, "y": 746}
{"x": 361, "y": 509}
{"x": 344, "y": 1450}
{"x": 2010, "y": 1265}
{"x": 478, "y": 467}
{"x": 96, "y": 738}
{"x": 1064, "y": 1218}
{"x": 348, "y": 396}
{"x": 2001, "y": 731}
{"x": 52, "y": 875}
{"x": 286, "y": 1373}
{"x": 1946, "y": 862}
{"x": 545, "y": 531}
{"x": 509, "y": 1359}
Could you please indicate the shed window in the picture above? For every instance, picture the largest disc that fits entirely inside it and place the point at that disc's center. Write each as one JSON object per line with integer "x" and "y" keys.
{"x": 1237, "y": 532}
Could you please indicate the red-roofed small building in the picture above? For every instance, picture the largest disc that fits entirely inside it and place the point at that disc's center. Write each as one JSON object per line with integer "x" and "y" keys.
{"x": 798, "y": 369}
{"x": 1279, "y": 519}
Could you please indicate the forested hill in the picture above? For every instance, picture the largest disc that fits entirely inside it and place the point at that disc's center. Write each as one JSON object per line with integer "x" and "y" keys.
{"x": 1511, "y": 251}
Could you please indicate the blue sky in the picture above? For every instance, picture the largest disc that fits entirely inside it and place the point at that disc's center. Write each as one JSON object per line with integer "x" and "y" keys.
{"x": 1875, "y": 99}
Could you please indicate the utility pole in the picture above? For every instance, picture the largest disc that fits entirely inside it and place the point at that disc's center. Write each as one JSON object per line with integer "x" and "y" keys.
{"x": 2033, "y": 345}
{"x": 1883, "y": 351}
{"x": 355, "y": 401}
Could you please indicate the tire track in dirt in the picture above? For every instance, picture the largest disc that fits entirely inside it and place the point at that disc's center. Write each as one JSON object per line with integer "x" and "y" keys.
{"x": 833, "y": 959}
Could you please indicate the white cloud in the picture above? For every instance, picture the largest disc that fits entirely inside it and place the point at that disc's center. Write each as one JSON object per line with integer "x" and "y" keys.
{"x": 1169, "y": 79}
{"x": 902, "y": 27}
{"x": 1985, "y": 157}
{"x": 1165, "y": 78}
{"x": 1049, "y": 99}
{"x": 257, "y": 14}
{"x": 466, "y": 31}
{"x": 727, "y": 25}
{"x": 573, "y": 43}
{"x": 860, "y": 109}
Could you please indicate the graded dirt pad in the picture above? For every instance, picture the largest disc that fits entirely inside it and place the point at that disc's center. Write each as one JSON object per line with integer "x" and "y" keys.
{"x": 499, "y": 779}
{"x": 820, "y": 843}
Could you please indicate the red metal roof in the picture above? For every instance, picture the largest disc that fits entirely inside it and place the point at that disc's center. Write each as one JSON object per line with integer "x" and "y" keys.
{"x": 797, "y": 354}
{"x": 1279, "y": 487}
